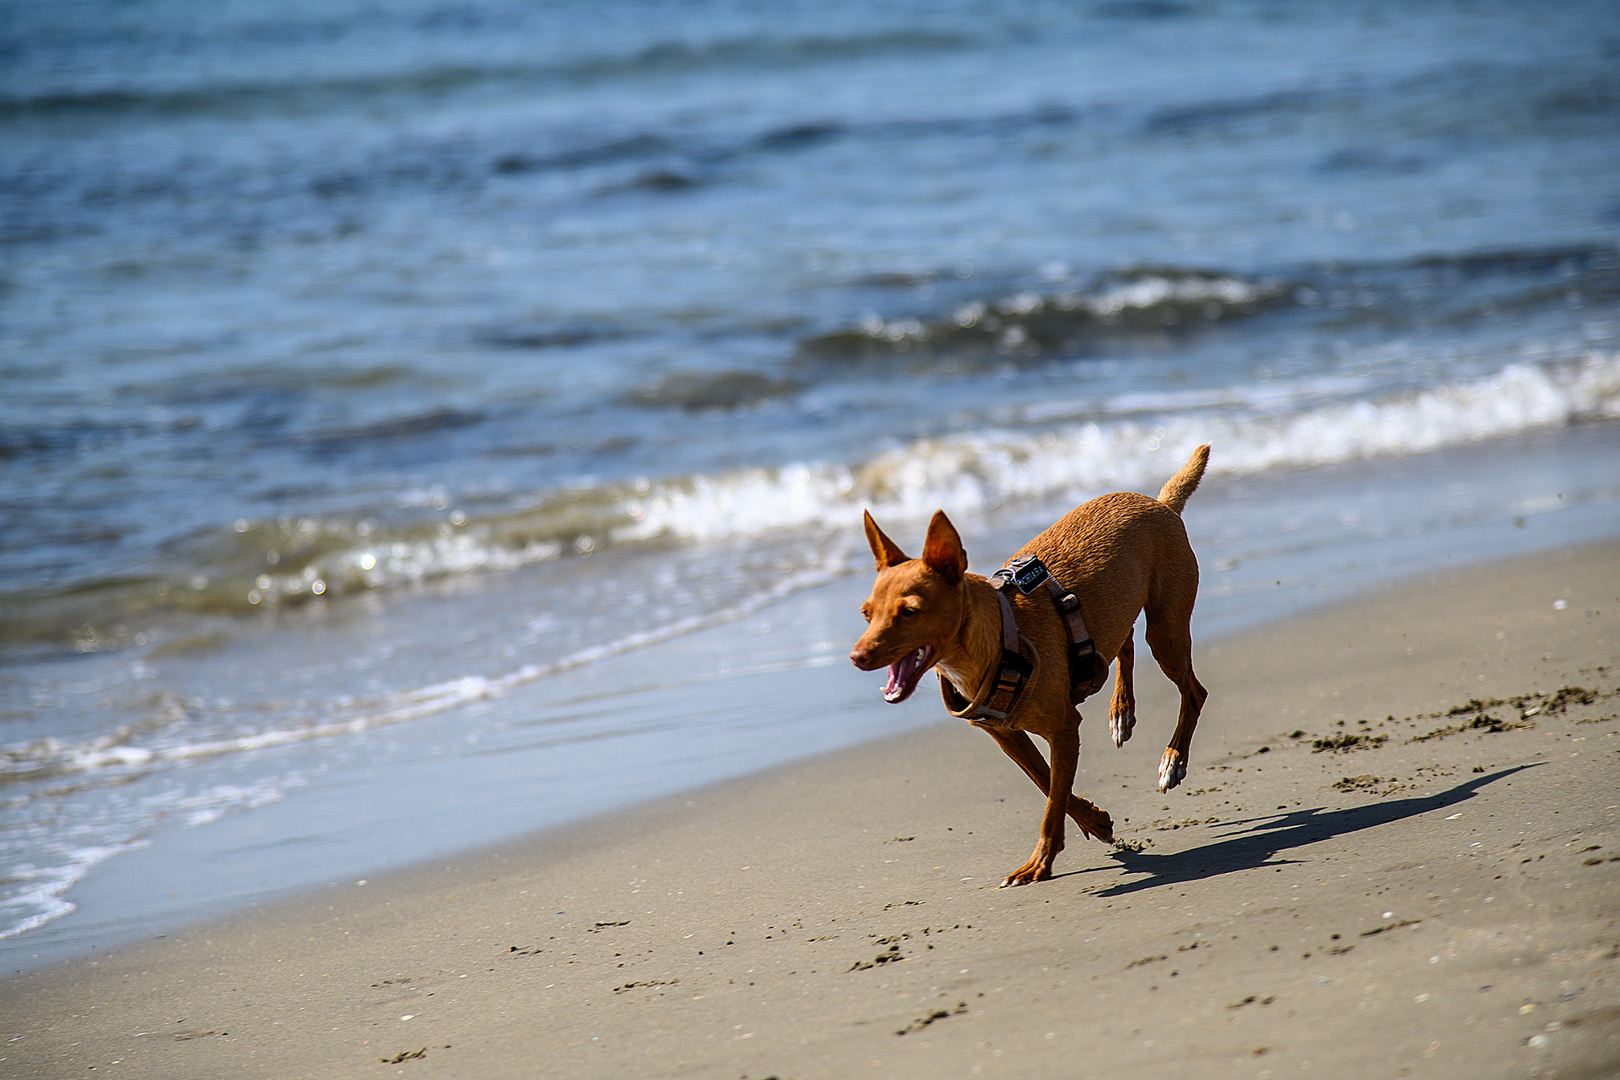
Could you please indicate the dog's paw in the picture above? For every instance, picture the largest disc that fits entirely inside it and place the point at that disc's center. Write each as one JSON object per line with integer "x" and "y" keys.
{"x": 1172, "y": 770}
{"x": 1027, "y": 874}
{"x": 1120, "y": 725}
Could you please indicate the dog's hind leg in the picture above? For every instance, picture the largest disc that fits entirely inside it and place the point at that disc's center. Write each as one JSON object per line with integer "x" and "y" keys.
{"x": 1171, "y": 642}
{"x": 1092, "y": 819}
{"x": 1122, "y": 710}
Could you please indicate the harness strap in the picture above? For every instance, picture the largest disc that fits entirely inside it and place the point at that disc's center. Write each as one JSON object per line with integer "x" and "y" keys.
{"x": 1027, "y": 573}
{"x": 1068, "y": 605}
{"x": 1013, "y": 669}
{"x": 999, "y": 694}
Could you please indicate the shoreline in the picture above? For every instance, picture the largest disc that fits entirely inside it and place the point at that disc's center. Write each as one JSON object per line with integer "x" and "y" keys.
{"x": 726, "y": 700}
{"x": 1427, "y": 876}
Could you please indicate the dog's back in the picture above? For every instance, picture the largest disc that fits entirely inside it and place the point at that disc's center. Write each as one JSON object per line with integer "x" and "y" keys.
{"x": 1121, "y": 553}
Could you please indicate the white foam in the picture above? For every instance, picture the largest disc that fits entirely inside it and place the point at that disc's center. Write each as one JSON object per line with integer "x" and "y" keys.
{"x": 210, "y": 805}
{"x": 40, "y": 897}
{"x": 353, "y": 715}
{"x": 1062, "y": 448}
{"x": 34, "y": 892}
{"x": 1253, "y": 428}
{"x": 1151, "y": 290}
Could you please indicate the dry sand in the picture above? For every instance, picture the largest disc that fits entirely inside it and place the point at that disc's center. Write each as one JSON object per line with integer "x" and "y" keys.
{"x": 1397, "y": 854}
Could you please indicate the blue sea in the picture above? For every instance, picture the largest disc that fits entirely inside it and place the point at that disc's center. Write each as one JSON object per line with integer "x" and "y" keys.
{"x": 423, "y": 421}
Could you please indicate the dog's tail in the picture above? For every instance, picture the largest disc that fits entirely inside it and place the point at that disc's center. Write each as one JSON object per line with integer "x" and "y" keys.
{"x": 1184, "y": 483}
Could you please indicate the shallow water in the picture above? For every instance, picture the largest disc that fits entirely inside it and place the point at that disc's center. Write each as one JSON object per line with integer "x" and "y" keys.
{"x": 380, "y": 376}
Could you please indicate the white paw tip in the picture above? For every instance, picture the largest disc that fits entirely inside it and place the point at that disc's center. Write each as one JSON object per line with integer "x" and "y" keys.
{"x": 1121, "y": 726}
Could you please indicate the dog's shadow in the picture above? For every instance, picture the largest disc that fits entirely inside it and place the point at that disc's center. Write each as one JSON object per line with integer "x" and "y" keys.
{"x": 1266, "y": 837}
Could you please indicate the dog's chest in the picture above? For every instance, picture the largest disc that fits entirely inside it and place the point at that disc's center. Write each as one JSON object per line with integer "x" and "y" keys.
{"x": 964, "y": 684}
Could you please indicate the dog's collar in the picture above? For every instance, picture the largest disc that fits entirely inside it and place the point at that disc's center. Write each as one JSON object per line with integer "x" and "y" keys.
{"x": 1004, "y": 685}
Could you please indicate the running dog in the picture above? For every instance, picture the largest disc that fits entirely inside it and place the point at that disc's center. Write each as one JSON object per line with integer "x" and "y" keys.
{"x": 1016, "y": 653}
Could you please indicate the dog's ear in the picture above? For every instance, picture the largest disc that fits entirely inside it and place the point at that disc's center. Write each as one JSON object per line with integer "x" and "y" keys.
{"x": 884, "y": 550}
{"x": 943, "y": 551}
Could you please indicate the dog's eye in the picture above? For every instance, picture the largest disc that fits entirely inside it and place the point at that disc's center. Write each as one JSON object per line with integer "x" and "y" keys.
{"x": 908, "y": 612}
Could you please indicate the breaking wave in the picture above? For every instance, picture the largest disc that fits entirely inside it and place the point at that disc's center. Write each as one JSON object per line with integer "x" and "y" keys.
{"x": 1120, "y": 306}
{"x": 1067, "y": 451}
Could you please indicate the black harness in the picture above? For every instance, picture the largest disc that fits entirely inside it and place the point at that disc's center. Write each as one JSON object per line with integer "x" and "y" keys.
{"x": 996, "y": 699}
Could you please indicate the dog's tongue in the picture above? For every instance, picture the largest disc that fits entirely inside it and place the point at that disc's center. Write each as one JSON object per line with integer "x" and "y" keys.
{"x": 902, "y": 677}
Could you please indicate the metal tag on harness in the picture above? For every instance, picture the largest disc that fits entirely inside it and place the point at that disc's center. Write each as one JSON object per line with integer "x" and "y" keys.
{"x": 1027, "y": 572}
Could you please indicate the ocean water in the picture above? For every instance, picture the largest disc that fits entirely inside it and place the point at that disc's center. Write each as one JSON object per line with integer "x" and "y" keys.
{"x": 425, "y": 421}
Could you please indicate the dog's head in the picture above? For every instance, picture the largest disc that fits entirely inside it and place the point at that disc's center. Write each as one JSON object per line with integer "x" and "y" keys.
{"x": 916, "y": 606}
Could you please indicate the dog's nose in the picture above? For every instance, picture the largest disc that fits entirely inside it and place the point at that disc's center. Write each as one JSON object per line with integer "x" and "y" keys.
{"x": 860, "y": 658}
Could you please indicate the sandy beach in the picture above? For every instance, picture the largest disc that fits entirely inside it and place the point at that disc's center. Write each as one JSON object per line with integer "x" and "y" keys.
{"x": 433, "y": 456}
{"x": 1396, "y": 854}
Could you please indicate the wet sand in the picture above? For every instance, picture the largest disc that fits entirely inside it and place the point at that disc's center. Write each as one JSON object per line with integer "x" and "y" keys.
{"x": 1397, "y": 853}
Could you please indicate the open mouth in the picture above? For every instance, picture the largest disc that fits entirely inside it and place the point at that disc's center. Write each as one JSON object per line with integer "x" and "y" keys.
{"x": 904, "y": 673}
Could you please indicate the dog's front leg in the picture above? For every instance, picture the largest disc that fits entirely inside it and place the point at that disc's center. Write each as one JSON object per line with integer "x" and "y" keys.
{"x": 1092, "y": 819}
{"x": 1057, "y": 783}
{"x": 1065, "y": 759}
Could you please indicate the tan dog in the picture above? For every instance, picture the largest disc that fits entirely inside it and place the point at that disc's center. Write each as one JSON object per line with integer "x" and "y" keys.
{"x": 1120, "y": 554}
